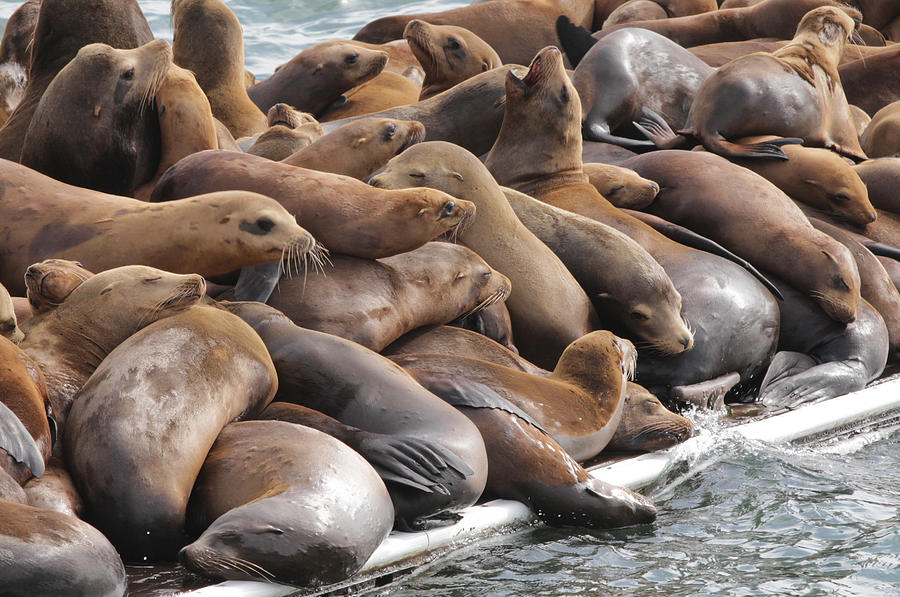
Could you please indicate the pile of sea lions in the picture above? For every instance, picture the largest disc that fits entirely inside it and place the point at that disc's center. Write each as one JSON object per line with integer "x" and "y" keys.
{"x": 254, "y": 327}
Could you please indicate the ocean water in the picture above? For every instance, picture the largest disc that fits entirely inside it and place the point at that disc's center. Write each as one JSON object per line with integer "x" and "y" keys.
{"x": 753, "y": 520}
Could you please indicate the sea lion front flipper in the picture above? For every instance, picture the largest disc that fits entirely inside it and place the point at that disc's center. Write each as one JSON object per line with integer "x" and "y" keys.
{"x": 257, "y": 282}
{"x": 658, "y": 130}
{"x": 18, "y": 443}
{"x": 413, "y": 462}
{"x": 575, "y": 40}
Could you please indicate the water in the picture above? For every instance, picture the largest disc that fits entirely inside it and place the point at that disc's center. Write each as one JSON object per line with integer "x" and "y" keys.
{"x": 756, "y": 519}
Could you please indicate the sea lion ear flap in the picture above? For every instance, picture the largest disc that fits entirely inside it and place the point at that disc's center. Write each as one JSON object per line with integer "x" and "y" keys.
{"x": 830, "y": 32}
{"x": 359, "y": 142}
{"x": 828, "y": 255}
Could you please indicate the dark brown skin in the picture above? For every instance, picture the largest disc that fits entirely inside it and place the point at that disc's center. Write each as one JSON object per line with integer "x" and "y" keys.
{"x": 208, "y": 41}
{"x": 882, "y": 179}
{"x": 533, "y": 22}
{"x": 387, "y": 90}
{"x": 63, "y": 28}
{"x": 153, "y": 419}
{"x": 882, "y": 136}
{"x": 94, "y": 126}
{"x": 375, "y": 302}
{"x": 345, "y": 215}
{"x": 449, "y": 55}
{"x": 312, "y": 514}
{"x": 360, "y": 147}
{"x": 868, "y": 82}
{"x": 317, "y": 76}
{"x": 673, "y": 8}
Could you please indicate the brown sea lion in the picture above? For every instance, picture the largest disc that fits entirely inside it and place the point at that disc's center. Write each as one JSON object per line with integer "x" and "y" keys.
{"x": 548, "y": 309}
{"x": 620, "y": 186}
{"x": 69, "y": 342}
{"x": 492, "y": 21}
{"x": 48, "y": 553}
{"x": 737, "y": 100}
{"x": 892, "y": 267}
{"x": 312, "y": 516}
{"x": 868, "y": 82}
{"x": 226, "y": 231}
{"x": 635, "y": 10}
{"x": 207, "y": 40}
{"x": 49, "y": 282}
{"x": 63, "y": 28}
{"x": 110, "y": 134}
{"x": 431, "y": 457}
{"x": 289, "y": 131}
{"x": 400, "y": 55}
{"x": 448, "y": 54}
{"x": 375, "y": 302}
{"x": 318, "y": 75}
{"x": 882, "y": 179}
{"x": 346, "y": 215}
{"x": 360, "y": 147}
{"x": 153, "y": 419}
{"x": 386, "y": 90}
{"x": 673, "y": 8}
{"x": 882, "y": 136}
{"x": 860, "y": 119}
{"x": 55, "y": 490}
{"x": 15, "y": 56}
{"x": 9, "y": 325}
{"x": 186, "y": 123}
{"x": 604, "y": 153}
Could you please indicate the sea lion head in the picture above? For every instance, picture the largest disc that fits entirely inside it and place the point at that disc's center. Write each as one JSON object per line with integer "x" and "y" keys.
{"x": 449, "y": 54}
{"x": 197, "y": 23}
{"x": 437, "y": 165}
{"x": 284, "y": 115}
{"x": 9, "y": 326}
{"x": 371, "y": 142}
{"x": 51, "y": 281}
{"x": 597, "y": 361}
{"x": 834, "y": 283}
{"x": 344, "y": 65}
{"x": 647, "y": 425}
{"x": 828, "y": 30}
{"x": 832, "y": 185}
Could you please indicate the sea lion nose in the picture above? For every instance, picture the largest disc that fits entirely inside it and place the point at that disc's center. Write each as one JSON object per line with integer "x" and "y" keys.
{"x": 687, "y": 342}
{"x": 31, "y": 272}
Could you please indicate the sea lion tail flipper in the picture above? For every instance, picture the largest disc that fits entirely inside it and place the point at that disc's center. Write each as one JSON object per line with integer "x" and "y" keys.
{"x": 764, "y": 149}
{"x": 575, "y": 40}
{"x": 709, "y": 393}
{"x": 658, "y": 131}
{"x": 257, "y": 282}
{"x": 18, "y": 443}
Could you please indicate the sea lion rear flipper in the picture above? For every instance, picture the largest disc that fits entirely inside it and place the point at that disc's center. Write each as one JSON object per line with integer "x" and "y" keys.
{"x": 257, "y": 282}
{"x": 764, "y": 149}
{"x": 701, "y": 243}
{"x": 574, "y": 40}
{"x": 658, "y": 130}
{"x": 594, "y": 131}
{"x": 709, "y": 393}
{"x": 18, "y": 443}
{"x": 813, "y": 384}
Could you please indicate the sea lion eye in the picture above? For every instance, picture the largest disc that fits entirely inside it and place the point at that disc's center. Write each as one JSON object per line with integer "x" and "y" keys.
{"x": 351, "y": 59}
{"x": 485, "y": 67}
{"x": 129, "y": 74}
{"x": 839, "y": 197}
{"x": 417, "y": 175}
{"x": 389, "y": 131}
{"x": 452, "y": 43}
{"x": 564, "y": 96}
{"x": 79, "y": 264}
{"x": 638, "y": 316}
{"x": 448, "y": 210}
{"x": 152, "y": 280}
{"x": 840, "y": 283}
{"x": 265, "y": 224}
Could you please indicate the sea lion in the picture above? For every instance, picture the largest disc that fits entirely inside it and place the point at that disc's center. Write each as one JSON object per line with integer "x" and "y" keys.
{"x": 226, "y": 231}
{"x": 71, "y": 341}
{"x": 109, "y": 138}
{"x": 318, "y": 75}
{"x": 449, "y": 55}
{"x": 635, "y": 10}
{"x": 375, "y": 302}
{"x": 365, "y": 390}
{"x": 882, "y": 179}
{"x": 692, "y": 184}
{"x": 63, "y": 28}
{"x": 892, "y": 267}
{"x": 186, "y": 123}
{"x": 400, "y": 56}
{"x": 346, "y": 215}
{"x": 882, "y": 136}
{"x": 360, "y": 147}
{"x": 289, "y": 131}
{"x": 313, "y": 515}
{"x": 631, "y": 69}
{"x": 620, "y": 186}
{"x": 868, "y": 83}
{"x": 55, "y": 490}
{"x": 759, "y": 94}
{"x": 468, "y": 114}
{"x": 386, "y": 90}
{"x": 9, "y": 324}
{"x": 153, "y": 419}
{"x": 860, "y": 119}
{"x": 51, "y": 281}
{"x": 492, "y": 21}
{"x": 15, "y": 56}
{"x": 207, "y": 40}
{"x": 548, "y": 309}
{"x": 48, "y": 553}
{"x": 603, "y": 9}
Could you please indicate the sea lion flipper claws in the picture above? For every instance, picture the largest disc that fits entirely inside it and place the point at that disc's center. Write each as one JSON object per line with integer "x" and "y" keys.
{"x": 763, "y": 149}
{"x": 658, "y": 130}
{"x": 257, "y": 282}
{"x": 18, "y": 443}
{"x": 413, "y": 462}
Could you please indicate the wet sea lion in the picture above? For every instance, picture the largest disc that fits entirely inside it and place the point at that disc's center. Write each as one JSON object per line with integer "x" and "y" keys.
{"x": 629, "y": 70}
{"x": 207, "y": 40}
{"x": 868, "y": 83}
{"x": 759, "y": 94}
{"x": 548, "y": 309}
{"x": 110, "y": 134}
{"x": 48, "y": 553}
{"x": 362, "y": 389}
{"x": 375, "y": 302}
{"x": 882, "y": 136}
{"x": 346, "y": 215}
{"x": 63, "y": 28}
{"x": 226, "y": 231}
{"x": 51, "y": 281}
{"x": 386, "y": 90}
{"x": 71, "y": 341}
{"x": 882, "y": 179}
{"x": 620, "y": 186}
{"x": 448, "y": 54}
{"x": 55, "y": 490}
{"x": 318, "y": 75}
{"x": 312, "y": 516}
{"x": 360, "y": 147}
{"x": 153, "y": 419}
{"x": 9, "y": 325}
{"x": 23, "y": 392}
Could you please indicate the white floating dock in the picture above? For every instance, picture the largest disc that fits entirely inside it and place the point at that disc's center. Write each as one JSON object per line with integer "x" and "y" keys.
{"x": 875, "y": 407}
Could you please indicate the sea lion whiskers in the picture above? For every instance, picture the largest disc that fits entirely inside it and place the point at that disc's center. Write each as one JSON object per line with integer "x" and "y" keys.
{"x": 191, "y": 290}
{"x": 249, "y": 568}
{"x": 159, "y": 70}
